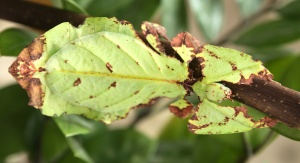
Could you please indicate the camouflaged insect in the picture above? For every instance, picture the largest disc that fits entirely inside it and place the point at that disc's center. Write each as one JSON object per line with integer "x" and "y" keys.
{"x": 102, "y": 69}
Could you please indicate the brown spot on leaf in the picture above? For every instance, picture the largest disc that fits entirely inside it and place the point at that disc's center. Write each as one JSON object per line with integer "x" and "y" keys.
{"x": 92, "y": 97}
{"x": 118, "y": 46}
{"x": 233, "y": 66}
{"x": 185, "y": 38}
{"x": 226, "y": 119}
{"x": 181, "y": 113}
{"x": 266, "y": 75}
{"x": 157, "y": 31}
{"x": 77, "y": 82}
{"x": 241, "y": 109}
{"x": 23, "y": 69}
{"x": 35, "y": 93}
{"x": 267, "y": 121}
{"x": 113, "y": 84}
{"x": 136, "y": 92}
{"x": 212, "y": 54}
{"x": 150, "y": 102}
{"x": 109, "y": 67}
{"x": 66, "y": 61}
{"x": 192, "y": 128}
{"x": 36, "y": 48}
{"x": 124, "y": 22}
{"x": 248, "y": 81}
{"x": 41, "y": 69}
{"x": 195, "y": 71}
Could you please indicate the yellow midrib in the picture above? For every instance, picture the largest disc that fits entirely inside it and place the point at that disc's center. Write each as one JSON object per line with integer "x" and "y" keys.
{"x": 113, "y": 75}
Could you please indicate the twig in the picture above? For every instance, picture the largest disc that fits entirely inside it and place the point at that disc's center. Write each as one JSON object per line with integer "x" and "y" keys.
{"x": 37, "y": 16}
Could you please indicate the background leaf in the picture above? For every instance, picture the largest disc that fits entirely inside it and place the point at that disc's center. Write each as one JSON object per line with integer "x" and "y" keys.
{"x": 174, "y": 16}
{"x": 247, "y": 8}
{"x": 285, "y": 70}
{"x": 13, "y": 40}
{"x": 78, "y": 150}
{"x": 52, "y": 144}
{"x": 272, "y": 33}
{"x": 209, "y": 16}
{"x": 70, "y": 5}
{"x": 123, "y": 145}
{"x": 72, "y": 125}
{"x": 13, "y": 120}
{"x": 286, "y": 131}
{"x": 291, "y": 10}
{"x": 134, "y": 11}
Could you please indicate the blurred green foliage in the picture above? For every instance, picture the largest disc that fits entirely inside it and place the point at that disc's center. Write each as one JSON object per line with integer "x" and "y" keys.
{"x": 76, "y": 139}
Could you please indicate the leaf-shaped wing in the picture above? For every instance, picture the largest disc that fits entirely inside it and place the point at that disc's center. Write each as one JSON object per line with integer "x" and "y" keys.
{"x": 211, "y": 118}
{"x": 223, "y": 64}
{"x": 101, "y": 70}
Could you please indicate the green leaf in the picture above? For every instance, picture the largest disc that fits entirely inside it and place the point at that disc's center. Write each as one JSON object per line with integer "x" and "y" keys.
{"x": 72, "y": 125}
{"x": 14, "y": 117}
{"x": 291, "y": 10}
{"x": 70, "y": 5}
{"x": 182, "y": 108}
{"x": 216, "y": 66}
{"x": 13, "y": 40}
{"x": 214, "y": 119}
{"x": 219, "y": 67}
{"x": 126, "y": 145}
{"x": 257, "y": 139}
{"x": 272, "y": 33}
{"x": 286, "y": 131}
{"x": 52, "y": 143}
{"x": 284, "y": 70}
{"x": 174, "y": 16}
{"x": 214, "y": 91}
{"x": 176, "y": 144}
{"x": 209, "y": 16}
{"x": 78, "y": 150}
{"x": 100, "y": 70}
{"x": 122, "y": 9}
{"x": 269, "y": 53}
{"x": 247, "y": 8}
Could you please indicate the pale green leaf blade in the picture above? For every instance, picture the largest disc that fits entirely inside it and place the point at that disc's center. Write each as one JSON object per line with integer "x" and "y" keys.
{"x": 100, "y": 70}
{"x": 186, "y": 46}
{"x": 153, "y": 32}
{"x": 72, "y": 125}
{"x": 224, "y": 64}
{"x": 211, "y": 118}
{"x": 214, "y": 91}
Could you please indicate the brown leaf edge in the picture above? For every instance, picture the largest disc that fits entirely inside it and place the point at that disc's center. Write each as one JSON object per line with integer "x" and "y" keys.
{"x": 23, "y": 69}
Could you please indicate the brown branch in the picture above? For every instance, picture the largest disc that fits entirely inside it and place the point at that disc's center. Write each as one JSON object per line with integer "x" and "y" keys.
{"x": 37, "y": 16}
{"x": 271, "y": 98}
{"x": 267, "y": 96}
